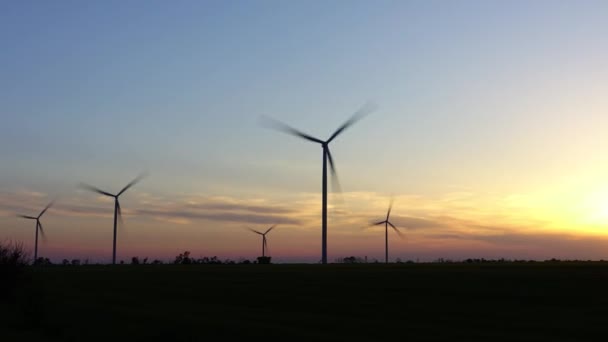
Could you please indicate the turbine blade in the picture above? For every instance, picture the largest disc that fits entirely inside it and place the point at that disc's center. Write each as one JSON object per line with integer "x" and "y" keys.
{"x": 133, "y": 182}
{"x": 94, "y": 189}
{"x": 278, "y": 125}
{"x": 42, "y": 232}
{"x": 365, "y": 110}
{"x": 255, "y": 231}
{"x": 377, "y": 223}
{"x": 266, "y": 245}
{"x": 390, "y": 207}
{"x": 46, "y": 208}
{"x": 269, "y": 229}
{"x": 335, "y": 182}
{"x": 27, "y": 217}
{"x": 332, "y": 167}
{"x": 397, "y": 230}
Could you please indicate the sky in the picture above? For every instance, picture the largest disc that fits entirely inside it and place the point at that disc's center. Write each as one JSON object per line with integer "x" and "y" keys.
{"x": 489, "y": 131}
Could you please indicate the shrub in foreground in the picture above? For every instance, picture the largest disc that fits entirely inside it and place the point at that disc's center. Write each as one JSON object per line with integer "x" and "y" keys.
{"x": 13, "y": 259}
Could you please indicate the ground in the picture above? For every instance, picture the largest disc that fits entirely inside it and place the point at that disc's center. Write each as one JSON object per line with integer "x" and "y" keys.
{"x": 361, "y": 302}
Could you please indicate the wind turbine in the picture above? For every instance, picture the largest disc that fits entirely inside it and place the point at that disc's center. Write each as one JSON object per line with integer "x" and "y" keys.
{"x": 366, "y": 109}
{"x": 387, "y": 223}
{"x": 38, "y": 228}
{"x": 117, "y": 211}
{"x": 264, "y": 242}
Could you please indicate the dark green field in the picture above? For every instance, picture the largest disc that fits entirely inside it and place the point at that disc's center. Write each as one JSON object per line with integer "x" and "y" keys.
{"x": 369, "y": 302}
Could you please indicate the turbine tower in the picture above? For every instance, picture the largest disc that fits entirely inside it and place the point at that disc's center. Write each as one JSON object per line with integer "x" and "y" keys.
{"x": 366, "y": 109}
{"x": 264, "y": 242}
{"x": 117, "y": 211}
{"x": 387, "y": 223}
{"x": 38, "y": 228}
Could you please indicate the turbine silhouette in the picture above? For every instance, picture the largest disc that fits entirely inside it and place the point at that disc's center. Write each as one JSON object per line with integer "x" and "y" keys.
{"x": 387, "y": 223}
{"x": 117, "y": 211}
{"x": 366, "y": 109}
{"x": 38, "y": 227}
{"x": 264, "y": 242}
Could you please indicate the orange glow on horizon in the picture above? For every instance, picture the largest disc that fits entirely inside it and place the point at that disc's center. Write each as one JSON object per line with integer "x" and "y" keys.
{"x": 457, "y": 224}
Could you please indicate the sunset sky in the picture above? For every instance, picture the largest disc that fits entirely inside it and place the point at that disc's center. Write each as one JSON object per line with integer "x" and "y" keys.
{"x": 491, "y": 127}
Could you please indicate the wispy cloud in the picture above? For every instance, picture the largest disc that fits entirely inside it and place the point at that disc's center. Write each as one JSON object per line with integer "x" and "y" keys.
{"x": 178, "y": 209}
{"x": 185, "y": 216}
{"x": 241, "y": 207}
{"x": 417, "y": 223}
{"x": 456, "y": 215}
{"x": 529, "y": 246}
{"x": 22, "y": 202}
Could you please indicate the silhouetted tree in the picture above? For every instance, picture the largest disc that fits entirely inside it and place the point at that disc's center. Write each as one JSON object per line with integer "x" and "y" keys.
{"x": 353, "y": 260}
{"x": 13, "y": 259}
{"x": 183, "y": 258}
{"x": 42, "y": 261}
{"x": 264, "y": 260}
{"x": 13, "y": 281}
{"x": 209, "y": 260}
{"x": 13, "y": 254}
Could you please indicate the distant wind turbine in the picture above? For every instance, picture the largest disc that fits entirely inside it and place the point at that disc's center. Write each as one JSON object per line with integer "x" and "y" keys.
{"x": 264, "y": 242}
{"x": 117, "y": 211}
{"x": 368, "y": 108}
{"x": 387, "y": 223}
{"x": 38, "y": 228}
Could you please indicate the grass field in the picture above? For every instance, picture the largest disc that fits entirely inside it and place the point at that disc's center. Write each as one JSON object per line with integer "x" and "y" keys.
{"x": 361, "y": 302}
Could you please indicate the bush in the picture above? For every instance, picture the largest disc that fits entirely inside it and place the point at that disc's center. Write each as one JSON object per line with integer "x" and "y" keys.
{"x": 183, "y": 258}
{"x": 43, "y": 261}
{"x": 264, "y": 260}
{"x": 21, "y": 299}
{"x": 353, "y": 260}
{"x": 13, "y": 255}
{"x": 209, "y": 260}
{"x": 13, "y": 259}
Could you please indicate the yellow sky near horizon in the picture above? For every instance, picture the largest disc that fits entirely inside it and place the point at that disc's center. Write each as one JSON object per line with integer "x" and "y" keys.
{"x": 454, "y": 224}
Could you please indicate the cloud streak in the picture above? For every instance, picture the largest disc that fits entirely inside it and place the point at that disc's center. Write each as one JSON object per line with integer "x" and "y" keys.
{"x": 445, "y": 223}
{"x": 180, "y": 210}
{"x": 222, "y": 216}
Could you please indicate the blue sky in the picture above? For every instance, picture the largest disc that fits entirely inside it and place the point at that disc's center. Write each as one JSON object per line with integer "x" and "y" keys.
{"x": 486, "y": 97}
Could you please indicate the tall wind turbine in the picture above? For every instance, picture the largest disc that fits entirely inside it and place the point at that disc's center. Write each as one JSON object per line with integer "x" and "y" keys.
{"x": 38, "y": 227}
{"x": 264, "y": 242}
{"x": 387, "y": 223}
{"x": 368, "y": 108}
{"x": 117, "y": 211}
